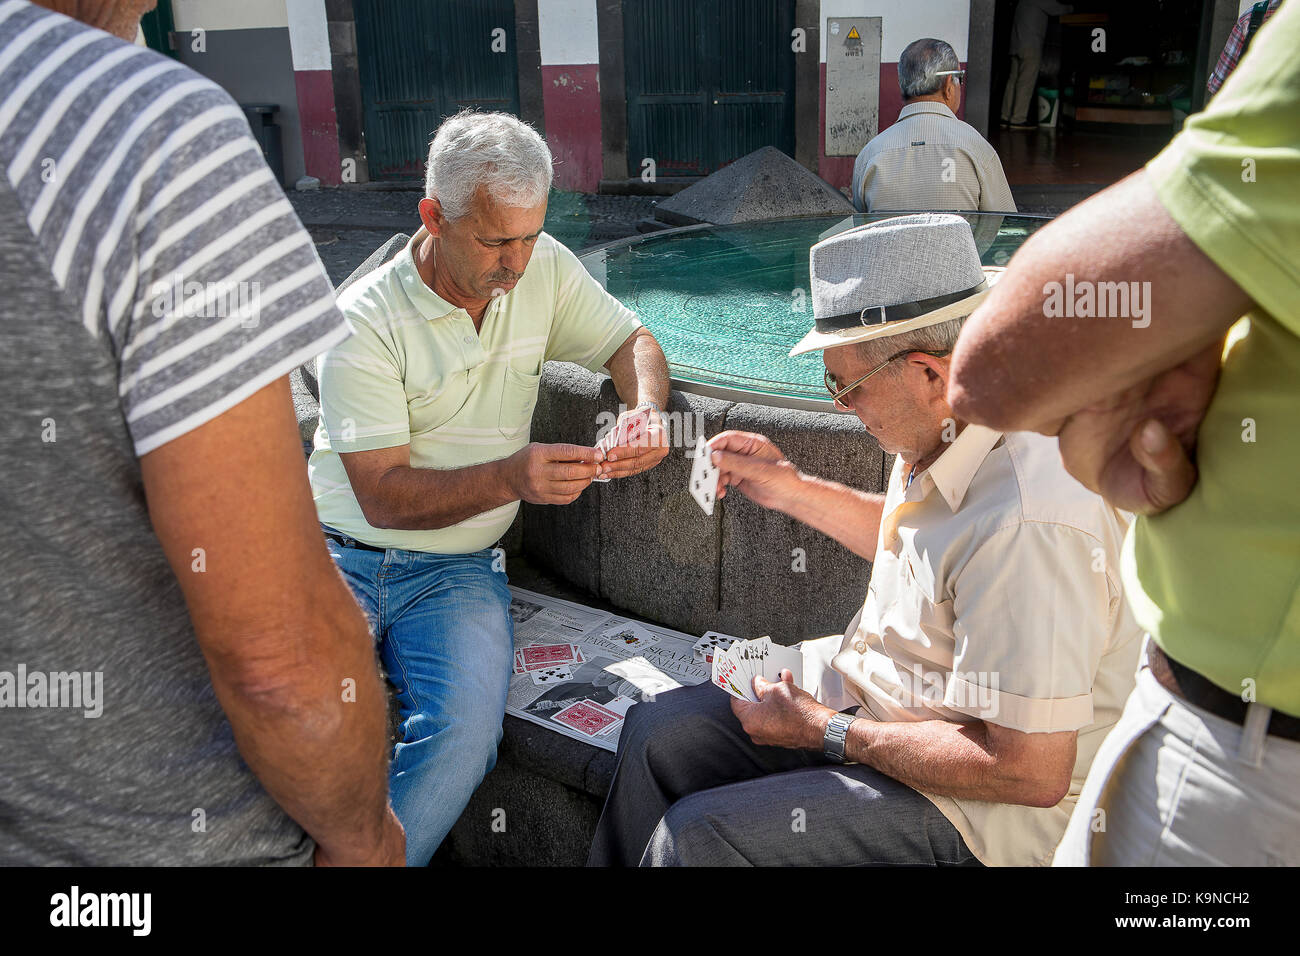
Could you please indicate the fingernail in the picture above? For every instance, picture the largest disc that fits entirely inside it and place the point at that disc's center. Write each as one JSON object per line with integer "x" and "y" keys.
{"x": 1153, "y": 438}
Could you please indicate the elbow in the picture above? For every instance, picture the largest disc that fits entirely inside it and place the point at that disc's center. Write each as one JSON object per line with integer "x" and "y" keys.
{"x": 1041, "y": 787}
{"x": 977, "y": 399}
{"x": 275, "y": 688}
{"x": 982, "y": 391}
{"x": 1047, "y": 794}
{"x": 377, "y": 517}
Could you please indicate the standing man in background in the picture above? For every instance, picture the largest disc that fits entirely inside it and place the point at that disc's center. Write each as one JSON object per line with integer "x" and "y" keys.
{"x": 930, "y": 160}
{"x": 1028, "y": 31}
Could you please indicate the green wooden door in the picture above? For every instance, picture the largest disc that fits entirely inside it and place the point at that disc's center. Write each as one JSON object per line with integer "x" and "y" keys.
{"x": 421, "y": 61}
{"x": 708, "y": 81}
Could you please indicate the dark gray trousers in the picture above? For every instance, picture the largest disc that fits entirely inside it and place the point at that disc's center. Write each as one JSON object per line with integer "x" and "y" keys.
{"x": 691, "y": 789}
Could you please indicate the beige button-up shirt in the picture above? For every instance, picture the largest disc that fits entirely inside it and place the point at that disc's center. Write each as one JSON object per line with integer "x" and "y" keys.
{"x": 930, "y": 160}
{"x": 995, "y": 595}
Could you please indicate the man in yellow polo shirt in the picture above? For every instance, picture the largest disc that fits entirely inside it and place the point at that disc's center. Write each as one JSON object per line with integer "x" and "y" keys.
{"x": 1186, "y": 414}
{"x": 422, "y": 455}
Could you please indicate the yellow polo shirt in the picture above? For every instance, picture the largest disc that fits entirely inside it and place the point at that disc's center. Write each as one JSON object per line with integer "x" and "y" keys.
{"x": 416, "y": 372}
{"x": 1216, "y": 580}
{"x": 995, "y": 595}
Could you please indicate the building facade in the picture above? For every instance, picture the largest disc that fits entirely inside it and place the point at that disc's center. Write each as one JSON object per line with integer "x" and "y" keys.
{"x": 630, "y": 94}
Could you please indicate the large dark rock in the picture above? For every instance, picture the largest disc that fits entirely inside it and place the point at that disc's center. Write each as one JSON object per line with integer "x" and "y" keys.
{"x": 766, "y": 184}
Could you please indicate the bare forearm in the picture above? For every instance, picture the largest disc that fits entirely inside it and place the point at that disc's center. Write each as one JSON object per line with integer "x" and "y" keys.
{"x": 849, "y": 516}
{"x": 640, "y": 371}
{"x": 1021, "y": 365}
{"x": 423, "y": 499}
{"x": 313, "y": 727}
{"x": 943, "y": 758}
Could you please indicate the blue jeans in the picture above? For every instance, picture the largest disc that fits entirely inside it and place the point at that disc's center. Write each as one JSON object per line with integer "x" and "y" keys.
{"x": 447, "y": 644}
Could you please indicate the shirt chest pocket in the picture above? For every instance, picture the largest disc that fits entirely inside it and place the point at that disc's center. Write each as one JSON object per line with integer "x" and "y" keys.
{"x": 438, "y": 403}
{"x": 518, "y": 398}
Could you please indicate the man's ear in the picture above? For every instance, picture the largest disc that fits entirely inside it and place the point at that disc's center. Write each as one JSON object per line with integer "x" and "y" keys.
{"x": 934, "y": 369}
{"x": 431, "y": 215}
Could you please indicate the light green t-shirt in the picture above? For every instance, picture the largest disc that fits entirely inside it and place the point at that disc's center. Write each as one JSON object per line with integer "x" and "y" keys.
{"x": 1216, "y": 580}
{"x": 415, "y": 371}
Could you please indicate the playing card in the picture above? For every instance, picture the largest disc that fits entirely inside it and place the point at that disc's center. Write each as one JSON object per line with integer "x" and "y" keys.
{"x": 704, "y": 478}
{"x": 735, "y": 668}
{"x": 551, "y": 675}
{"x": 712, "y": 640}
{"x": 637, "y": 427}
{"x": 587, "y": 717}
{"x": 620, "y": 705}
{"x": 542, "y": 655}
{"x": 726, "y": 674}
{"x": 630, "y": 635}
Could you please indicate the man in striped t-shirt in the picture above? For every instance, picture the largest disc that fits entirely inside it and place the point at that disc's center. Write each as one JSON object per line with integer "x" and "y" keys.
{"x": 173, "y": 637}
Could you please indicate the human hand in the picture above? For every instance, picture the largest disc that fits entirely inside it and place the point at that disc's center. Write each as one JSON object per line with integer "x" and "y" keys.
{"x": 550, "y": 474}
{"x": 1136, "y": 448}
{"x": 785, "y": 715}
{"x": 641, "y": 455}
{"x": 754, "y": 466}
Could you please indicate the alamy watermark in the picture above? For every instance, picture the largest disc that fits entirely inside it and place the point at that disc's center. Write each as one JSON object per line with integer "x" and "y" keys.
{"x": 176, "y": 297}
{"x": 1085, "y": 299}
{"x": 78, "y": 690}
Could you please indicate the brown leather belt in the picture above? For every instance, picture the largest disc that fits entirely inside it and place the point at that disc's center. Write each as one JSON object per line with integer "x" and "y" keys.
{"x": 1184, "y": 682}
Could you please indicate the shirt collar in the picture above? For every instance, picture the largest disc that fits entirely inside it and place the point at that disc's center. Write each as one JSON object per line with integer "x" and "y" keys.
{"x": 954, "y": 470}
{"x": 429, "y": 303}
{"x": 926, "y": 106}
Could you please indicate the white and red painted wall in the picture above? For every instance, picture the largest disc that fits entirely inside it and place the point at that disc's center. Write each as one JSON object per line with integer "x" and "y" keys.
{"x": 571, "y": 90}
{"x": 314, "y": 83}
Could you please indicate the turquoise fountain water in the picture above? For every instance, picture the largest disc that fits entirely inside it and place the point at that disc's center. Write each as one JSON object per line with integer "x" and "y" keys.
{"x": 727, "y": 303}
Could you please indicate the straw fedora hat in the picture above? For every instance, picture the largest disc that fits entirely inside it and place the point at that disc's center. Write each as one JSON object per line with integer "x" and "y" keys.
{"x": 893, "y": 276}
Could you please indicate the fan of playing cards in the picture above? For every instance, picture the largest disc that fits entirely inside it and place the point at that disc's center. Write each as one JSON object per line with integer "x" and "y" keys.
{"x": 629, "y": 430}
{"x": 735, "y": 667}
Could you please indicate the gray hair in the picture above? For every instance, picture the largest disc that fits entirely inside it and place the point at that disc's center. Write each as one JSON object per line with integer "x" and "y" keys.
{"x": 493, "y": 151}
{"x": 933, "y": 338}
{"x": 920, "y": 62}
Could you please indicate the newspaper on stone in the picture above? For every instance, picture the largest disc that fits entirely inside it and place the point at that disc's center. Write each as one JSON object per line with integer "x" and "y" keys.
{"x": 622, "y": 662}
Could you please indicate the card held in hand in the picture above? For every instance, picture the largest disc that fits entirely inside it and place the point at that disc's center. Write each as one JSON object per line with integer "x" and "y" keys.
{"x": 704, "y": 477}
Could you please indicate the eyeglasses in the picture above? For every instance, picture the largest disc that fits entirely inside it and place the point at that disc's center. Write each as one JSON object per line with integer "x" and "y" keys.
{"x": 837, "y": 393}
{"x": 960, "y": 74}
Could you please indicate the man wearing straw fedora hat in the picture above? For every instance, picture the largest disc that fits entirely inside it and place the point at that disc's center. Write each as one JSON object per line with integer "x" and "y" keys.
{"x": 956, "y": 717}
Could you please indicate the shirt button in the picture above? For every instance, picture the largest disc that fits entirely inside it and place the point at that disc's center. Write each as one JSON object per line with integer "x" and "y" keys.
{"x": 469, "y": 340}
{"x": 860, "y": 647}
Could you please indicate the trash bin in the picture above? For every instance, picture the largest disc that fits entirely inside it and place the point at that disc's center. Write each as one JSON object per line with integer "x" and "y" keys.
{"x": 261, "y": 120}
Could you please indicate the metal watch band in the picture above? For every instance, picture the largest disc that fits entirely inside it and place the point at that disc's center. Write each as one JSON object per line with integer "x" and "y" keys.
{"x": 837, "y": 732}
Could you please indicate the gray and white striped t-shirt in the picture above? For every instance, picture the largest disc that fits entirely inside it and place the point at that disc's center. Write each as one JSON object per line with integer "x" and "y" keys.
{"x": 152, "y": 276}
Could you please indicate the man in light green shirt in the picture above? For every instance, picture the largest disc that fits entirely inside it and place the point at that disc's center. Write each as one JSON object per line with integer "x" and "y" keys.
{"x": 422, "y": 454}
{"x": 1185, "y": 413}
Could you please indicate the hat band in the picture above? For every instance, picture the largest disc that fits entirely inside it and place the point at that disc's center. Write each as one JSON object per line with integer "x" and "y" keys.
{"x": 876, "y": 314}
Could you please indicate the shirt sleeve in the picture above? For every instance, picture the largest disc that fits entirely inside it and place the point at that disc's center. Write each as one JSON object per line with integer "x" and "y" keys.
{"x": 224, "y": 292}
{"x": 589, "y": 323}
{"x": 362, "y": 391}
{"x": 1033, "y": 618}
{"x": 1231, "y": 178}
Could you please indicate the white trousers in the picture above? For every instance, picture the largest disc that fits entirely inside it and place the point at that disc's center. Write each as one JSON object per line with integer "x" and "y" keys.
{"x": 1174, "y": 785}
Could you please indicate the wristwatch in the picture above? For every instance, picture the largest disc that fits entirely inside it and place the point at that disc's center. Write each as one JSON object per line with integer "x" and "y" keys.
{"x": 837, "y": 732}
